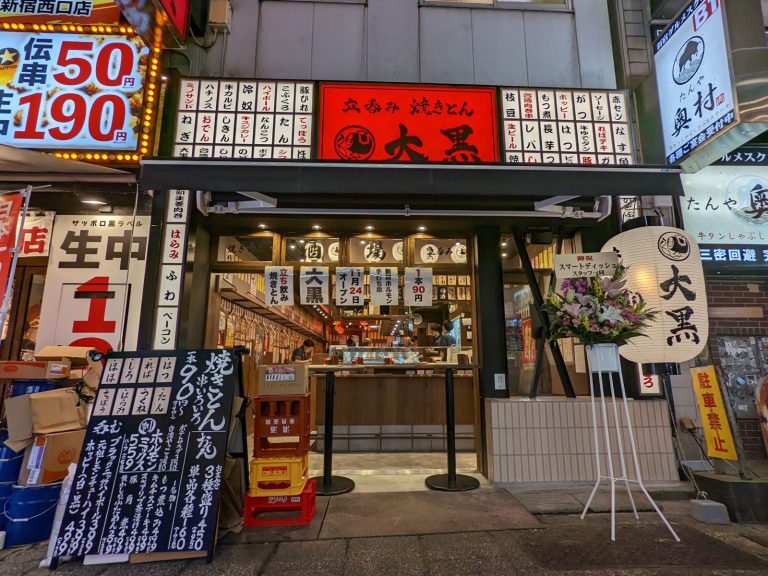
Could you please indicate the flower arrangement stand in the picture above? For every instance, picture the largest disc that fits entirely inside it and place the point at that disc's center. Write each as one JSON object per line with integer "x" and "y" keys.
{"x": 604, "y": 362}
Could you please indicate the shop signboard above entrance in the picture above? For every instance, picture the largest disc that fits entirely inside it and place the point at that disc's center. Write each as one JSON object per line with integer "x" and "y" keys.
{"x": 101, "y": 12}
{"x": 566, "y": 127}
{"x": 407, "y": 123}
{"x": 72, "y": 91}
{"x": 726, "y": 209}
{"x": 694, "y": 79}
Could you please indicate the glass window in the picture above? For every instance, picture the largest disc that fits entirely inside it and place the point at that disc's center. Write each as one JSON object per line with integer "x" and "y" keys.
{"x": 499, "y": 2}
{"x": 319, "y": 250}
{"x": 245, "y": 248}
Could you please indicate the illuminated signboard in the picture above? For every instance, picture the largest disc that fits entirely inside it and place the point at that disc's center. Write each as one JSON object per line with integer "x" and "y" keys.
{"x": 693, "y": 75}
{"x": 72, "y": 91}
{"x": 177, "y": 11}
{"x": 104, "y": 12}
{"x": 407, "y": 123}
{"x": 566, "y": 127}
{"x": 261, "y": 119}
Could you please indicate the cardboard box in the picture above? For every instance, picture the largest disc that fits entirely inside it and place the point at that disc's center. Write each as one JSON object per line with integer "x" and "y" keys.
{"x": 43, "y": 413}
{"x": 38, "y": 370}
{"x": 283, "y": 380}
{"x": 77, "y": 355}
{"x": 47, "y": 459}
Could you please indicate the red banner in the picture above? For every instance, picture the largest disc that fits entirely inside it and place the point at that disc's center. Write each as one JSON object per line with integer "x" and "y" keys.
{"x": 529, "y": 344}
{"x": 407, "y": 123}
{"x": 10, "y": 206}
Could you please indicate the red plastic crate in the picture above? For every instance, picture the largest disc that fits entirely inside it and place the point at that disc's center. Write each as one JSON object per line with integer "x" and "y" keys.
{"x": 258, "y": 508}
{"x": 279, "y": 447}
{"x": 281, "y": 416}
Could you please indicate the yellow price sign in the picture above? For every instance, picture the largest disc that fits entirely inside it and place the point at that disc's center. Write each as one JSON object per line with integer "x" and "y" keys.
{"x": 714, "y": 419}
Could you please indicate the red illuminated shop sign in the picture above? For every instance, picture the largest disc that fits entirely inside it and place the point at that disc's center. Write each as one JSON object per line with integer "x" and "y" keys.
{"x": 407, "y": 123}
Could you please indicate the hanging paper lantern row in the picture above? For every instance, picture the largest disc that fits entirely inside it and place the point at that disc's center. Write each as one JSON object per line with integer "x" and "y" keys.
{"x": 665, "y": 268}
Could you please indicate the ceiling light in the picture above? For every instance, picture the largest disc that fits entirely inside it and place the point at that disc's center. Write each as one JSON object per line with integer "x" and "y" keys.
{"x": 504, "y": 254}
{"x": 316, "y": 227}
{"x": 362, "y": 241}
{"x": 369, "y": 228}
{"x": 503, "y": 244}
{"x": 301, "y": 241}
{"x": 422, "y": 228}
{"x": 263, "y": 226}
{"x": 292, "y": 246}
{"x": 94, "y": 202}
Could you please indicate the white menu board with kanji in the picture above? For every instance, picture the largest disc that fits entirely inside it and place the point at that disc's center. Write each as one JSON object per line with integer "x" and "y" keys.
{"x": 94, "y": 282}
{"x": 566, "y": 127}
{"x": 244, "y": 119}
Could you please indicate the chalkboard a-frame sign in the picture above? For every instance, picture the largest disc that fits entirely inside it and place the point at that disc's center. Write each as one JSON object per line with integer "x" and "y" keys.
{"x": 151, "y": 465}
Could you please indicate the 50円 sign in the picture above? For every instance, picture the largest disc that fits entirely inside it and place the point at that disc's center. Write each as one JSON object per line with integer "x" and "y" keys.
{"x": 71, "y": 91}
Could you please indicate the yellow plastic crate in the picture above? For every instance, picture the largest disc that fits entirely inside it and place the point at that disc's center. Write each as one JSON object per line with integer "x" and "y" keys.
{"x": 279, "y": 476}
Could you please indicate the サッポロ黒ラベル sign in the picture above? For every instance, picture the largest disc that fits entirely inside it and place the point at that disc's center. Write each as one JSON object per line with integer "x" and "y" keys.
{"x": 694, "y": 78}
{"x": 407, "y": 123}
{"x": 71, "y": 91}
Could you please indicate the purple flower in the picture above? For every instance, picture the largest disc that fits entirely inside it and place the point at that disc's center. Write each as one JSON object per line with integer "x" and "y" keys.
{"x": 581, "y": 285}
{"x": 566, "y": 285}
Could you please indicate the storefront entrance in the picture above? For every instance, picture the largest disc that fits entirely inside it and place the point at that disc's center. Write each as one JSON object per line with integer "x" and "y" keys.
{"x": 351, "y": 294}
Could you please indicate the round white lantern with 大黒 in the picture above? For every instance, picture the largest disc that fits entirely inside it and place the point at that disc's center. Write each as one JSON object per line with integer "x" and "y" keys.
{"x": 664, "y": 267}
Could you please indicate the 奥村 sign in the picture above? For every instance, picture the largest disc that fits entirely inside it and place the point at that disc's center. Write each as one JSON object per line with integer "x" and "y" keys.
{"x": 694, "y": 79}
{"x": 71, "y": 91}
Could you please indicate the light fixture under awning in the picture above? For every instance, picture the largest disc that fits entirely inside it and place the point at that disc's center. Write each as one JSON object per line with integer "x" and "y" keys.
{"x": 18, "y": 165}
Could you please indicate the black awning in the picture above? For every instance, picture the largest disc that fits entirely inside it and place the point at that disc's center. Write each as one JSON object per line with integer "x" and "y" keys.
{"x": 311, "y": 179}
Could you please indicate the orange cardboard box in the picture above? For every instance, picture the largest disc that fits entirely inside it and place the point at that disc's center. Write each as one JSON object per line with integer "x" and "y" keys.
{"x": 46, "y": 460}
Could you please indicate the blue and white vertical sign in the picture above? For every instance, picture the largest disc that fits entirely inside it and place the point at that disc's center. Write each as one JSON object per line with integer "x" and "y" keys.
{"x": 693, "y": 74}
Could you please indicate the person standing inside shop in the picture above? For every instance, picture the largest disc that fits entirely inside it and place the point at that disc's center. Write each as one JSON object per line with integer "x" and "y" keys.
{"x": 446, "y": 339}
{"x": 303, "y": 354}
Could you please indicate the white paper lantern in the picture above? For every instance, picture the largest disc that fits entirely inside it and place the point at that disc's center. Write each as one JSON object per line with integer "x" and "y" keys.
{"x": 665, "y": 268}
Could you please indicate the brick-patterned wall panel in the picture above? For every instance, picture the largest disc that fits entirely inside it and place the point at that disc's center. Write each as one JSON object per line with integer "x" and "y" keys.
{"x": 739, "y": 307}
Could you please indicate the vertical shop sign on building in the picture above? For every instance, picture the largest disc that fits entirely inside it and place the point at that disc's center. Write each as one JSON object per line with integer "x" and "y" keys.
{"x": 150, "y": 471}
{"x": 664, "y": 267}
{"x": 36, "y": 236}
{"x": 349, "y": 286}
{"x": 384, "y": 286}
{"x": 714, "y": 419}
{"x": 566, "y": 127}
{"x": 171, "y": 270}
{"x": 94, "y": 282}
{"x": 407, "y": 123}
{"x": 418, "y": 286}
{"x": 694, "y": 79}
{"x": 244, "y": 119}
{"x": 71, "y": 91}
{"x": 313, "y": 285}
{"x": 279, "y": 285}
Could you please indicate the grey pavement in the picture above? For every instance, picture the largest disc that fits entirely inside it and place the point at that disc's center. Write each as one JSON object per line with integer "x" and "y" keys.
{"x": 561, "y": 543}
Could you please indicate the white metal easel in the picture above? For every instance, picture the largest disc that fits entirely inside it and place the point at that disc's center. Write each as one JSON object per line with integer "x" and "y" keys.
{"x": 604, "y": 358}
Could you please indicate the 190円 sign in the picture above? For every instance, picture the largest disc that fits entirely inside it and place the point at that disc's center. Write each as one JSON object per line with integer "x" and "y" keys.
{"x": 71, "y": 91}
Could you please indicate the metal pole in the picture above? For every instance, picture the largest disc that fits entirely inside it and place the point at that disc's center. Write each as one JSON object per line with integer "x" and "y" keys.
{"x": 328, "y": 484}
{"x": 27, "y": 193}
{"x": 451, "y": 482}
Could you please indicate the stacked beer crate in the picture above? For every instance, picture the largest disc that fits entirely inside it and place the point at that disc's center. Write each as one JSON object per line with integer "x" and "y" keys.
{"x": 280, "y": 492}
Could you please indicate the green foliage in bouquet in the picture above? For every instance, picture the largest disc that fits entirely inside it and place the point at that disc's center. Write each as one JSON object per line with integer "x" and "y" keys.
{"x": 597, "y": 310}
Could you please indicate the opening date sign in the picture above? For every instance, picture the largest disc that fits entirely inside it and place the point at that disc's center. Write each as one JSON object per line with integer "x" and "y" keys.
{"x": 71, "y": 91}
{"x": 407, "y": 123}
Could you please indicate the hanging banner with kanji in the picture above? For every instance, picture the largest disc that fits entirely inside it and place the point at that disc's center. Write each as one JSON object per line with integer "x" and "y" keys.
{"x": 313, "y": 285}
{"x": 349, "y": 286}
{"x": 10, "y": 206}
{"x": 384, "y": 290}
{"x": 418, "y": 287}
{"x": 35, "y": 239}
{"x": 714, "y": 419}
{"x": 279, "y": 285}
{"x": 94, "y": 282}
{"x": 407, "y": 123}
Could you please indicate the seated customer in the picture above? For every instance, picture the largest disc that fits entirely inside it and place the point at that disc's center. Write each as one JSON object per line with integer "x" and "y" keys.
{"x": 303, "y": 354}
